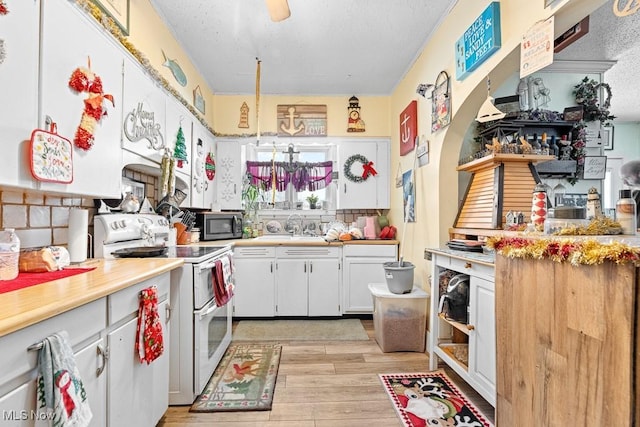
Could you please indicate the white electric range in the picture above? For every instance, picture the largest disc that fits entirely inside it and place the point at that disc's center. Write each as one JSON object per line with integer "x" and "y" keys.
{"x": 200, "y": 330}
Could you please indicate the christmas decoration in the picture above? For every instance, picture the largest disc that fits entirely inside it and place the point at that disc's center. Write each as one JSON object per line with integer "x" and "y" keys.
{"x": 84, "y": 80}
{"x": 587, "y": 93}
{"x": 576, "y": 252}
{"x": 180, "y": 152}
{"x": 366, "y": 165}
{"x": 210, "y": 166}
{"x": 3, "y": 8}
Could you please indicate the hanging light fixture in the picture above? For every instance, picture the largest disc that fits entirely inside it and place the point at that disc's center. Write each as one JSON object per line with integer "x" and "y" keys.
{"x": 257, "y": 102}
{"x": 488, "y": 112}
{"x": 278, "y": 10}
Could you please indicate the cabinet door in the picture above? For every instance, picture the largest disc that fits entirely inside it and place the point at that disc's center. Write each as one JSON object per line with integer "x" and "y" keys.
{"x": 383, "y": 166}
{"x": 229, "y": 172}
{"x": 71, "y": 40}
{"x": 358, "y": 273}
{"x": 202, "y": 188}
{"x": 292, "y": 291}
{"x": 254, "y": 292}
{"x": 138, "y": 393}
{"x": 19, "y": 33}
{"x": 324, "y": 287}
{"x": 91, "y": 361}
{"x": 357, "y": 195}
{"x": 144, "y": 110}
{"x": 482, "y": 338}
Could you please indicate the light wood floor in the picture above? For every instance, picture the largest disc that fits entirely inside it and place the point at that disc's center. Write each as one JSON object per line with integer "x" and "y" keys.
{"x": 327, "y": 384}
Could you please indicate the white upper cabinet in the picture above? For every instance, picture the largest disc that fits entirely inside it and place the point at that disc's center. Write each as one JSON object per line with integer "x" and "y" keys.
{"x": 144, "y": 109}
{"x": 230, "y": 168}
{"x": 19, "y": 89}
{"x": 72, "y": 44}
{"x": 354, "y": 191}
{"x": 203, "y": 147}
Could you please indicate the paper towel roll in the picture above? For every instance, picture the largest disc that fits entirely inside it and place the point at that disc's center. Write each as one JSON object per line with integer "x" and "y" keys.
{"x": 78, "y": 234}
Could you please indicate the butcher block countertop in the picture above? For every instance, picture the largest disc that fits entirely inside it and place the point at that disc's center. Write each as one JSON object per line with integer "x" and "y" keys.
{"x": 27, "y": 306}
{"x": 265, "y": 242}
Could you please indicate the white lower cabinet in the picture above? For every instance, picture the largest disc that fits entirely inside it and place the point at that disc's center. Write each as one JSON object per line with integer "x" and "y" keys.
{"x": 254, "y": 276}
{"x": 363, "y": 264}
{"x": 19, "y": 366}
{"x": 121, "y": 390}
{"x": 468, "y": 347}
{"x": 138, "y": 393}
{"x": 308, "y": 281}
{"x": 287, "y": 281}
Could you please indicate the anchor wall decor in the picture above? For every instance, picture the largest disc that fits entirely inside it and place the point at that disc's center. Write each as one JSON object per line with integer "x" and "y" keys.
{"x": 302, "y": 120}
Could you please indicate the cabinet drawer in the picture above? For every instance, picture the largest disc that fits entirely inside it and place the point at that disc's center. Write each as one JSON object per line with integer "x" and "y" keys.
{"x": 255, "y": 252}
{"x": 81, "y": 323}
{"x": 308, "y": 252}
{"x": 126, "y": 301}
{"x": 385, "y": 251}
{"x": 472, "y": 269}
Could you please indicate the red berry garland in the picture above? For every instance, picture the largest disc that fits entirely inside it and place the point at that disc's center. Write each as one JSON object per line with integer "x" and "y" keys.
{"x": 84, "y": 80}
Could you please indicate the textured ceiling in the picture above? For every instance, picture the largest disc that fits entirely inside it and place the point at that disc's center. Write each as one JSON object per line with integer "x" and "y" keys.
{"x": 326, "y": 47}
{"x": 363, "y": 47}
{"x": 616, "y": 39}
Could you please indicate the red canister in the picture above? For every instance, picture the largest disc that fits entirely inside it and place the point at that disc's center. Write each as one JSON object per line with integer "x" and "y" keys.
{"x": 539, "y": 205}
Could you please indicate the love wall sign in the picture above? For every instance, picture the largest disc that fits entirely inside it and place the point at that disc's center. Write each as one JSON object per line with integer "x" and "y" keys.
{"x": 479, "y": 41}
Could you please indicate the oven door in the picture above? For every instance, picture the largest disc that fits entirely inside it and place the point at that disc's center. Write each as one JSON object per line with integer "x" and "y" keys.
{"x": 203, "y": 280}
{"x": 212, "y": 335}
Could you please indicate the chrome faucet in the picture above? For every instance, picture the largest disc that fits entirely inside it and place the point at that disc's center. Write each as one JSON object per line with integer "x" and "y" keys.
{"x": 297, "y": 228}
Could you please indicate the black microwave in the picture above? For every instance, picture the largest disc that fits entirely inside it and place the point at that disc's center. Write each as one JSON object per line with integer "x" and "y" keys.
{"x": 219, "y": 225}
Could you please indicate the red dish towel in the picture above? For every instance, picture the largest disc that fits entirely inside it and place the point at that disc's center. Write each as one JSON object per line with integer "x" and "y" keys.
{"x": 149, "y": 342}
{"x": 223, "y": 280}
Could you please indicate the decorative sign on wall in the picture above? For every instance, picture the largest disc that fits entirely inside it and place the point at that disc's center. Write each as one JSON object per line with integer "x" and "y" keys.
{"x": 480, "y": 41}
{"x": 408, "y": 196}
{"x": 408, "y": 128}
{"x": 198, "y": 99}
{"x": 536, "y": 48}
{"x": 631, "y": 7}
{"x": 302, "y": 120}
{"x": 355, "y": 123}
{"x": 118, "y": 10}
{"x": 140, "y": 124}
{"x": 595, "y": 167}
{"x": 244, "y": 116}
{"x": 51, "y": 156}
{"x": 441, "y": 103}
{"x": 177, "y": 72}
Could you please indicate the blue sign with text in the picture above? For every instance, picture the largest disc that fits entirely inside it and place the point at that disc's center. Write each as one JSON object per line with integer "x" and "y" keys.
{"x": 479, "y": 41}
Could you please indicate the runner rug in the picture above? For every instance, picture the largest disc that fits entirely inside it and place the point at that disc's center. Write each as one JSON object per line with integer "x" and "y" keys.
{"x": 243, "y": 381}
{"x": 431, "y": 399}
{"x": 300, "y": 330}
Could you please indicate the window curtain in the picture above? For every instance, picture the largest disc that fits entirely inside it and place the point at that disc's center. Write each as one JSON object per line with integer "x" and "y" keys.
{"x": 303, "y": 176}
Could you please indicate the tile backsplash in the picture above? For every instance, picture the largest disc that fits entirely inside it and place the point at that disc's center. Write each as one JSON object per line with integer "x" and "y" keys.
{"x": 41, "y": 219}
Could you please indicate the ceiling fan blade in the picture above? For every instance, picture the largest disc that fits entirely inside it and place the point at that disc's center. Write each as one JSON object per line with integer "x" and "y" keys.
{"x": 278, "y": 10}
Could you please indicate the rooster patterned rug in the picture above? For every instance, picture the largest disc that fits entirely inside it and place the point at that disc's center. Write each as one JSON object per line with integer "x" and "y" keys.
{"x": 243, "y": 381}
{"x": 431, "y": 399}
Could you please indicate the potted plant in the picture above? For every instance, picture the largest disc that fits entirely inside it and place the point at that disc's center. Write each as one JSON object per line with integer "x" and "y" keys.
{"x": 312, "y": 199}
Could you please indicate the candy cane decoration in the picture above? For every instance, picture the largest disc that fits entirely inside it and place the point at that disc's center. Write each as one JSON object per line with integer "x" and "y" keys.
{"x": 84, "y": 80}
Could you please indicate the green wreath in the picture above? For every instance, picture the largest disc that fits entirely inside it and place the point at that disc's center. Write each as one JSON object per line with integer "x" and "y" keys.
{"x": 347, "y": 167}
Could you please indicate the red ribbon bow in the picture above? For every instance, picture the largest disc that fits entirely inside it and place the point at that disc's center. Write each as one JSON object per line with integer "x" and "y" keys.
{"x": 368, "y": 170}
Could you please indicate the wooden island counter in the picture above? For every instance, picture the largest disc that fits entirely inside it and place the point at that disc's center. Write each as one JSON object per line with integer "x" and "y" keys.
{"x": 567, "y": 342}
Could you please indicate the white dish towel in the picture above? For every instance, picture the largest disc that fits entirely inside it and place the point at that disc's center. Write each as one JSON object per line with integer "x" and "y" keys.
{"x": 60, "y": 388}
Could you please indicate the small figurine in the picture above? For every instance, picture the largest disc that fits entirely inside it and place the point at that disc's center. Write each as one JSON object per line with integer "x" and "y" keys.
{"x": 495, "y": 146}
{"x": 594, "y": 207}
{"x": 525, "y": 147}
